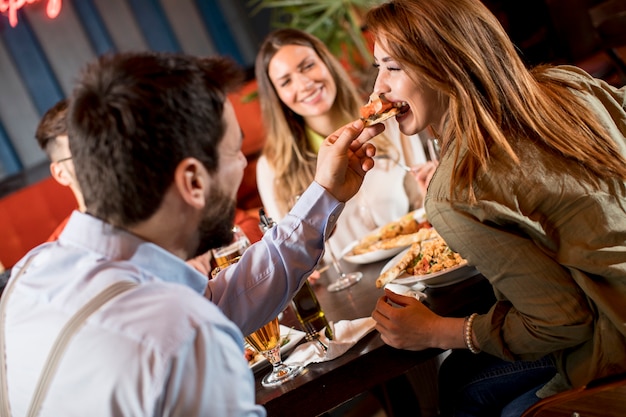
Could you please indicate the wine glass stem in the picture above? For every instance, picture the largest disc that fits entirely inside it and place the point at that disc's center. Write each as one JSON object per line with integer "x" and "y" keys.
{"x": 273, "y": 356}
{"x": 335, "y": 262}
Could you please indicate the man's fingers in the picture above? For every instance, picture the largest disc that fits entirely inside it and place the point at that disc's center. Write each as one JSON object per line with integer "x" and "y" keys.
{"x": 366, "y": 135}
{"x": 354, "y": 135}
{"x": 344, "y": 136}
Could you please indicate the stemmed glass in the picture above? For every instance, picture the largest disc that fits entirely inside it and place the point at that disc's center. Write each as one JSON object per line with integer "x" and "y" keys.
{"x": 344, "y": 280}
{"x": 434, "y": 149}
{"x": 266, "y": 341}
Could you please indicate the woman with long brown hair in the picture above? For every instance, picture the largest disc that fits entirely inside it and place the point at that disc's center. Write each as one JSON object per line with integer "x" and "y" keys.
{"x": 530, "y": 189}
{"x": 305, "y": 93}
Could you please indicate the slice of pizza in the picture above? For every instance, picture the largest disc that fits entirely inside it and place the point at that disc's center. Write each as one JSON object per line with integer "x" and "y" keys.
{"x": 379, "y": 109}
{"x": 406, "y": 225}
{"x": 397, "y": 270}
{"x": 423, "y": 234}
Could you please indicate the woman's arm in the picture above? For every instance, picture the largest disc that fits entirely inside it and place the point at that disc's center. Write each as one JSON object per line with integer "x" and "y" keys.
{"x": 540, "y": 308}
{"x": 265, "y": 179}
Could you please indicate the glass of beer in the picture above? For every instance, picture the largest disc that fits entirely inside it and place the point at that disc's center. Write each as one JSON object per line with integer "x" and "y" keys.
{"x": 266, "y": 340}
{"x": 231, "y": 253}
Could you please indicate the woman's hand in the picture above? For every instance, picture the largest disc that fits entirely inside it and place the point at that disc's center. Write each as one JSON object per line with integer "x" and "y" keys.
{"x": 423, "y": 174}
{"x": 405, "y": 323}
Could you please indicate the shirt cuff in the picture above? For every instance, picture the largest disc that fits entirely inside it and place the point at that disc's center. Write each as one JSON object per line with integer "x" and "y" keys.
{"x": 316, "y": 206}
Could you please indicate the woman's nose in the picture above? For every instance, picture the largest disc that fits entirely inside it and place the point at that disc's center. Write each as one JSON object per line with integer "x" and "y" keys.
{"x": 304, "y": 82}
{"x": 380, "y": 85}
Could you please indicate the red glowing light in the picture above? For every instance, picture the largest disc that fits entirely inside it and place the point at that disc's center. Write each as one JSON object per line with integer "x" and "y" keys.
{"x": 12, "y": 6}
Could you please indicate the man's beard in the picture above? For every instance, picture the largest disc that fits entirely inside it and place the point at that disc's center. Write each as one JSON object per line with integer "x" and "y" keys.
{"x": 216, "y": 227}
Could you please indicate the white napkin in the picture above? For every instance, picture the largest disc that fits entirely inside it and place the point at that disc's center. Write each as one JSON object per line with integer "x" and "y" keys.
{"x": 347, "y": 333}
{"x": 410, "y": 291}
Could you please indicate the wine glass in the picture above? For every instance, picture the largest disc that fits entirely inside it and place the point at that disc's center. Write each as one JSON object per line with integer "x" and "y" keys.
{"x": 434, "y": 148}
{"x": 344, "y": 280}
{"x": 266, "y": 340}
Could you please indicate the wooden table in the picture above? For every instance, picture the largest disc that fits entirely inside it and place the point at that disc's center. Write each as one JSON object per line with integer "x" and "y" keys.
{"x": 370, "y": 362}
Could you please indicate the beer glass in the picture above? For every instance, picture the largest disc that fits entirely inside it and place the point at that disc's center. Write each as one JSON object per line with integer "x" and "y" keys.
{"x": 266, "y": 341}
{"x": 231, "y": 253}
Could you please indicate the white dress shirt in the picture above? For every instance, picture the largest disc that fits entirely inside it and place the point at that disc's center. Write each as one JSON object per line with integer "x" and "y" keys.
{"x": 160, "y": 349}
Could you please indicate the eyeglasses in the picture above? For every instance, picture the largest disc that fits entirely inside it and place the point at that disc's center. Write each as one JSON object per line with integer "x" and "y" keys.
{"x": 64, "y": 159}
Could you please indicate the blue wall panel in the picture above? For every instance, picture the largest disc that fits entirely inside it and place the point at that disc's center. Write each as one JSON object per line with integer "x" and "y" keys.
{"x": 219, "y": 30}
{"x": 94, "y": 26}
{"x": 31, "y": 62}
{"x": 154, "y": 25}
{"x": 8, "y": 157}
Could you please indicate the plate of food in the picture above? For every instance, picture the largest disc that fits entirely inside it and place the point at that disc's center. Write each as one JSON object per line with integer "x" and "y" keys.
{"x": 290, "y": 337}
{"x": 430, "y": 262}
{"x": 390, "y": 239}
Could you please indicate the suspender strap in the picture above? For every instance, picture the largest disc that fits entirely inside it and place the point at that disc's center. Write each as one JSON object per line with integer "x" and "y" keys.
{"x": 60, "y": 344}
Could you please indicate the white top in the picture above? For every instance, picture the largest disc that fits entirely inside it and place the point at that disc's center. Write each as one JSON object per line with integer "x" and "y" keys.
{"x": 387, "y": 193}
{"x": 159, "y": 349}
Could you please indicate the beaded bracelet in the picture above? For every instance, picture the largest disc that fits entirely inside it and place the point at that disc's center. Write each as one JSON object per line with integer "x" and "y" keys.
{"x": 467, "y": 333}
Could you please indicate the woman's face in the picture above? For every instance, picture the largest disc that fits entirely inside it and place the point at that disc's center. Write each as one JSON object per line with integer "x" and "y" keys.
{"x": 425, "y": 107}
{"x": 302, "y": 80}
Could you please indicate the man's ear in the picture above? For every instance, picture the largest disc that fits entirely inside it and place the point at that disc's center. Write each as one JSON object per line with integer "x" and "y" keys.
{"x": 60, "y": 174}
{"x": 193, "y": 182}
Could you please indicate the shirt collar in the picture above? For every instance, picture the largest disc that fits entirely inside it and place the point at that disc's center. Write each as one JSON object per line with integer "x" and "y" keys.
{"x": 117, "y": 244}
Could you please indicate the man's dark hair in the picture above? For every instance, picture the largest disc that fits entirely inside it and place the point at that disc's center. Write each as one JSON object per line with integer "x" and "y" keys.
{"x": 134, "y": 117}
{"x": 52, "y": 124}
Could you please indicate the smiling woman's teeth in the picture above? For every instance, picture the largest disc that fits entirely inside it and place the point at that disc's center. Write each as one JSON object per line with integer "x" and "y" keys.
{"x": 312, "y": 97}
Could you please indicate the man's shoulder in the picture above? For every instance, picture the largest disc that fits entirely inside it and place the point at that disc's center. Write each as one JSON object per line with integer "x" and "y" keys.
{"x": 168, "y": 314}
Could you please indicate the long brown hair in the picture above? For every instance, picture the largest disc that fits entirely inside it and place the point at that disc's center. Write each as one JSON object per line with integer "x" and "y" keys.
{"x": 287, "y": 148}
{"x": 459, "y": 48}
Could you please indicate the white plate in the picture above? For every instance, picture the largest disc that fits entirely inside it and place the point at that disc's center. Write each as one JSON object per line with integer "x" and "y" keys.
{"x": 448, "y": 276}
{"x": 294, "y": 336}
{"x": 369, "y": 257}
{"x": 379, "y": 255}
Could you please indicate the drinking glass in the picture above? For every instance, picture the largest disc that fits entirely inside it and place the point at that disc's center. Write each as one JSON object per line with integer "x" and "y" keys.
{"x": 231, "y": 253}
{"x": 266, "y": 341}
{"x": 434, "y": 149}
{"x": 344, "y": 280}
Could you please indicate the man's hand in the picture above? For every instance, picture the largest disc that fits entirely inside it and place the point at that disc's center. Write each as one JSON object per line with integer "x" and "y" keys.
{"x": 344, "y": 158}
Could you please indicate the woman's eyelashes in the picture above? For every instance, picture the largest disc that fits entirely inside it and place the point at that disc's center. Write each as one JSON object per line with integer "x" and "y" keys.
{"x": 388, "y": 67}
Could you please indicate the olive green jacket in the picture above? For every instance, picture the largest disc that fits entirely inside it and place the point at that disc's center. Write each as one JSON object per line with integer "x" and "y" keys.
{"x": 553, "y": 248}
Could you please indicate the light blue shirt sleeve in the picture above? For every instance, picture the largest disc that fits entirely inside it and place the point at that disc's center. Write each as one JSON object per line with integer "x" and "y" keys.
{"x": 257, "y": 288}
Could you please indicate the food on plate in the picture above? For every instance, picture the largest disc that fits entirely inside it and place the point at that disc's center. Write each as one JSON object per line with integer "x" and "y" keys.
{"x": 435, "y": 256}
{"x": 425, "y": 233}
{"x": 249, "y": 353}
{"x": 392, "y": 235}
{"x": 426, "y": 257}
{"x": 379, "y": 109}
{"x": 397, "y": 270}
